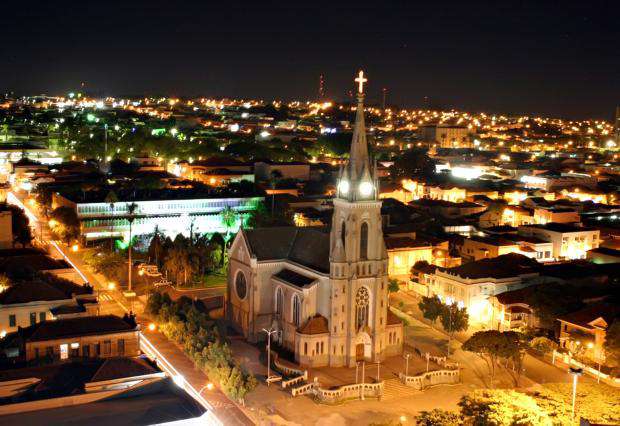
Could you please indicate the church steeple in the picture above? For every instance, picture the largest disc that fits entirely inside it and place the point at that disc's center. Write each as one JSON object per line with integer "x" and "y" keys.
{"x": 357, "y": 182}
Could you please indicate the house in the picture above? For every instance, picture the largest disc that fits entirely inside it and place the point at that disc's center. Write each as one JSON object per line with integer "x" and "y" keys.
{"x": 90, "y": 336}
{"x": 447, "y": 209}
{"x": 569, "y": 241}
{"x": 404, "y": 252}
{"x": 511, "y": 310}
{"x": 471, "y": 285}
{"x": 265, "y": 170}
{"x": 556, "y": 215}
{"x": 28, "y": 303}
{"x": 583, "y": 332}
{"x": 325, "y": 291}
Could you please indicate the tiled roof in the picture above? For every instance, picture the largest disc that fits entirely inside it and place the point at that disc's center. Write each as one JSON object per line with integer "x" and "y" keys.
{"x": 584, "y": 316}
{"x": 115, "y": 368}
{"x": 307, "y": 246}
{"x": 404, "y": 242}
{"x": 74, "y": 327}
{"x": 392, "y": 319}
{"x": 315, "y": 325}
{"x": 504, "y": 266}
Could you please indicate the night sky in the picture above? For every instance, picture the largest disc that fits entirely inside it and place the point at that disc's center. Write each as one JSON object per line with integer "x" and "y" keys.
{"x": 559, "y": 58}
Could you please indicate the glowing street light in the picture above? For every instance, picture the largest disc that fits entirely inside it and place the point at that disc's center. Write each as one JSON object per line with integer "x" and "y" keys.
{"x": 576, "y": 372}
{"x": 152, "y": 327}
{"x": 111, "y": 286}
{"x": 74, "y": 248}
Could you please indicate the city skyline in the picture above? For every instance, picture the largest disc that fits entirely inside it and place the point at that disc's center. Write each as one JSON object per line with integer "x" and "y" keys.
{"x": 515, "y": 59}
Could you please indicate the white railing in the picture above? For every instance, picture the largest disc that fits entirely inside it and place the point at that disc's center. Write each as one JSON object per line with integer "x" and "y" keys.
{"x": 304, "y": 389}
{"x": 432, "y": 378}
{"x": 348, "y": 392}
{"x": 295, "y": 380}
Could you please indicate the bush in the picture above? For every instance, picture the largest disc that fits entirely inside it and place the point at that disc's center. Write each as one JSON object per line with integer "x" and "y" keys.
{"x": 543, "y": 345}
{"x": 438, "y": 417}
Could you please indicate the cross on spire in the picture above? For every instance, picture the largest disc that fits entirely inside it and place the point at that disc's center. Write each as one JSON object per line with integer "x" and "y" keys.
{"x": 360, "y": 80}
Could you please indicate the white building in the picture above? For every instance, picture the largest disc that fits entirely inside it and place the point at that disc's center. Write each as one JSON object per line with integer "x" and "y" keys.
{"x": 569, "y": 241}
{"x": 172, "y": 216}
{"x": 473, "y": 284}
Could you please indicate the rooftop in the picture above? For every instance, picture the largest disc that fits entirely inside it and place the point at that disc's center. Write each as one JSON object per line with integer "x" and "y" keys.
{"x": 315, "y": 325}
{"x": 504, "y": 266}
{"x": 75, "y": 327}
{"x": 583, "y": 317}
{"x": 294, "y": 278}
{"x": 560, "y": 227}
{"x": 307, "y": 246}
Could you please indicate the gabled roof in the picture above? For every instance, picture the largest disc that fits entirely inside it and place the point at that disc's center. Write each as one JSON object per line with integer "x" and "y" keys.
{"x": 308, "y": 246}
{"x": 316, "y": 325}
{"x": 392, "y": 319}
{"x": 115, "y": 368}
{"x": 584, "y": 317}
{"x": 404, "y": 243}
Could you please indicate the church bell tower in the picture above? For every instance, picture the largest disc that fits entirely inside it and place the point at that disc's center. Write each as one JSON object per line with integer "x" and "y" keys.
{"x": 358, "y": 257}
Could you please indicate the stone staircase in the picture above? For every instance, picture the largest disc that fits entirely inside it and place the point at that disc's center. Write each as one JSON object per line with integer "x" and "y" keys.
{"x": 393, "y": 388}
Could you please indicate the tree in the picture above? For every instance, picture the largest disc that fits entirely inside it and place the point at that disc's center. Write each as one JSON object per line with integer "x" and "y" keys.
{"x": 491, "y": 345}
{"x": 431, "y": 308}
{"x": 20, "y": 225}
{"x": 612, "y": 344}
{"x": 453, "y": 320}
{"x": 393, "y": 285}
{"x": 543, "y": 344}
{"x": 437, "y": 417}
{"x": 131, "y": 216}
{"x": 503, "y": 408}
{"x": 65, "y": 224}
{"x": 553, "y": 300}
{"x": 111, "y": 199}
{"x": 156, "y": 248}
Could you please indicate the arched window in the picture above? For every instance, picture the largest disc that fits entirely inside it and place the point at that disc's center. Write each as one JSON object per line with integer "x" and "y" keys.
{"x": 296, "y": 310}
{"x": 343, "y": 232}
{"x": 241, "y": 285}
{"x": 279, "y": 302}
{"x": 364, "y": 241}
{"x": 362, "y": 301}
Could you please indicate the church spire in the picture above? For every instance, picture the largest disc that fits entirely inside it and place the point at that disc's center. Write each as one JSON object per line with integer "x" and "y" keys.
{"x": 357, "y": 182}
{"x": 358, "y": 157}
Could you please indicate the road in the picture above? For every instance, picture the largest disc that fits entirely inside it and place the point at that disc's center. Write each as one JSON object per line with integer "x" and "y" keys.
{"x": 168, "y": 356}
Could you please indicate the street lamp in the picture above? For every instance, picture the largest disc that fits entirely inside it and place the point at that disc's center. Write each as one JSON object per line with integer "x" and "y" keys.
{"x": 269, "y": 333}
{"x": 576, "y": 372}
{"x": 407, "y": 364}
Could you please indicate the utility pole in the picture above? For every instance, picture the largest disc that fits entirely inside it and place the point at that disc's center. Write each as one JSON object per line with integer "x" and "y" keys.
{"x": 269, "y": 333}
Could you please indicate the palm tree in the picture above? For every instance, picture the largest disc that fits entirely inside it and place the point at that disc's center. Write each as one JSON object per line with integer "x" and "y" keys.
{"x": 111, "y": 198}
{"x": 229, "y": 218}
{"x": 131, "y": 210}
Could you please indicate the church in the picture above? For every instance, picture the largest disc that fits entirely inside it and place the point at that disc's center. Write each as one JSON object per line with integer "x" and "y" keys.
{"x": 324, "y": 290}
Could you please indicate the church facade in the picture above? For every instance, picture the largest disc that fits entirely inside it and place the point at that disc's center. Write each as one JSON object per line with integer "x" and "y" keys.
{"x": 325, "y": 291}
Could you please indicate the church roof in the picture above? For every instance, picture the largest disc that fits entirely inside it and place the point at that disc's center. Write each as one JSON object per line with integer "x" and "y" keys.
{"x": 392, "y": 319}
{"x": 294, "y": 278}
{"x": 307, "y": 246}
{"x": 315, "y": 325}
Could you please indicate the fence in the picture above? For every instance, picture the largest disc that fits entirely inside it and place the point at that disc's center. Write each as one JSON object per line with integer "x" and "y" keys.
{"x": 304, "y": 389}
{"x": 295, "y": 380}
{"x": 594, "y": 372}
{"x": 285, "y": 369}
{"x": 348, "y": 392}
{"x": 432, "y": 378}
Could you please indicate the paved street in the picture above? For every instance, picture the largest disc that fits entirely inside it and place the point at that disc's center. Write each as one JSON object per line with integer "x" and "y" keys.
{"x": 171, "y": 358}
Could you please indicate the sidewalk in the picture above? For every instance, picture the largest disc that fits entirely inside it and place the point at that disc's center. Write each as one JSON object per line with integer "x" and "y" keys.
{"x": 224, "y": 409}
